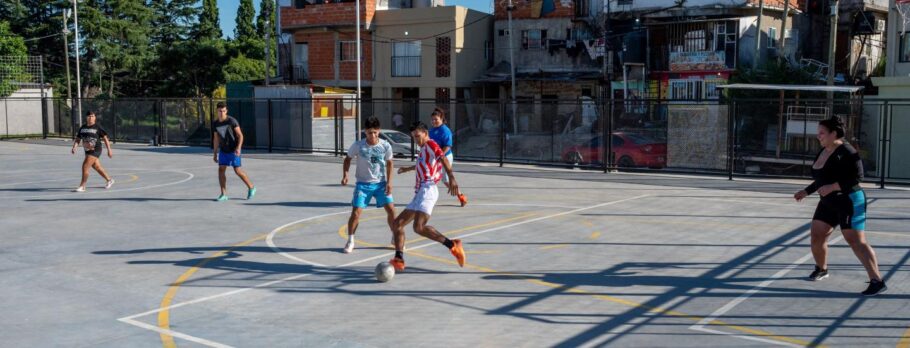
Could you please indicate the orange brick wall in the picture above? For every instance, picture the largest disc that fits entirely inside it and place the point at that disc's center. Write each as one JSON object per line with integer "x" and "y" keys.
{"x": 324, "y": 55}
{"x": 348, "y": 70}
{"x": 794, "y": 4}
{"x": 523, "y": 9}
{"x": 327, "y": 14}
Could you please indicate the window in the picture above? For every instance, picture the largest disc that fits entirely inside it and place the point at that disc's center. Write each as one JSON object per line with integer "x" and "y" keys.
{"x": 406, "y": 59}
{"x": 905, "y": 49}
{"x": 686, "y": 89}
{"x": 695, "y": 41}
{"x": 347, "y": 51}
{"x": 533, "y": 39}
{"x": 443, "y": 56}
{"x": 581, "y": 8}
{"x": 772, "y": 37}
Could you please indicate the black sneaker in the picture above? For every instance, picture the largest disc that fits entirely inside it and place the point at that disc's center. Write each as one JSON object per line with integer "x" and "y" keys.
{"x": 818, "y": 274}
{"x": 875, "y": 287}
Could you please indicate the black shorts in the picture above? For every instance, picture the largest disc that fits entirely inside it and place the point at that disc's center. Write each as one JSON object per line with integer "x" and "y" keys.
{"x": 96, "y": 153}
{"x": 847, "y": 210}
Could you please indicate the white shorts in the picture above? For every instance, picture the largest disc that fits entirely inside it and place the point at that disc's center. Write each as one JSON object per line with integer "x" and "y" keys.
{"x": 424, "y": 199}
{"x": 445, "y": 177}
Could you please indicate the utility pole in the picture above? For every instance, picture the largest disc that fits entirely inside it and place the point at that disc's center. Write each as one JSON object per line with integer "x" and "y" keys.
{"x": 66, "y": 50}
{"x": 783, "y": 29}
{"x": 832, "y": 43}
{"x": 512, "y": 66}
{"x": 755, "y": 59}
{"x": 832, "y": 47}
{"x": 78, "y": 72}
{"x": 359, "y": 68}
{"x": 267, "y": 44}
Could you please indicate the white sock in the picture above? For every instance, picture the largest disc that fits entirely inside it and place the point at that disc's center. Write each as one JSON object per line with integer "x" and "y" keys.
{"x": 350, "y": 238}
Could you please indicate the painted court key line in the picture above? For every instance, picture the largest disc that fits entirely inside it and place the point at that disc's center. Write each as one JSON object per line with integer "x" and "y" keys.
{"x": 132, "y": 318}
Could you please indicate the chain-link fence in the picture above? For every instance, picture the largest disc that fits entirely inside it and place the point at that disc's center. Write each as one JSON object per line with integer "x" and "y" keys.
{"x": 747, "y": 137}
{"x": 18, "y": 72}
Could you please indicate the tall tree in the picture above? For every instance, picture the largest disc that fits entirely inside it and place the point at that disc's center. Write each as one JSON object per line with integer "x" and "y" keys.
{"x": 267, "y": 12}
{"x": 173, "y": 20}
{"x": 209, "y": 26}
{"x": 245, "y": 31}
{"x": 12, "y": 49}
{"x": 117, "y": 42}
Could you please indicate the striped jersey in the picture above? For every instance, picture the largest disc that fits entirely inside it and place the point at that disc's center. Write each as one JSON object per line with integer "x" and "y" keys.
{"x": 429, "y": 164}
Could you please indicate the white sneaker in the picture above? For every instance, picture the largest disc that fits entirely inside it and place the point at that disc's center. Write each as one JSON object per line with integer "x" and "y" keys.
{"x": 109, "y": 183}
{"x": 80, "y": 189}
{"x": 349, "y": 247}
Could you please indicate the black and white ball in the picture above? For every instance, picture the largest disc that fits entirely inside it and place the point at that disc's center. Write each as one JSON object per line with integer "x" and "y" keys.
{"x": 384, "y": 272}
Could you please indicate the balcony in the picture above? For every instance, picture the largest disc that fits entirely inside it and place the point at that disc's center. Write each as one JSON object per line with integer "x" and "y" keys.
{"x": 299, "y": 74}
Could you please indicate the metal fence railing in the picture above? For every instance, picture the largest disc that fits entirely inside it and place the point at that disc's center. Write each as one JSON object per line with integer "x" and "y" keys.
{"x": 744, "y": 137}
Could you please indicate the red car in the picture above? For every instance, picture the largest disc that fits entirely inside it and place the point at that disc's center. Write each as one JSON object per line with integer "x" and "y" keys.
{"x": 630, "y": 150}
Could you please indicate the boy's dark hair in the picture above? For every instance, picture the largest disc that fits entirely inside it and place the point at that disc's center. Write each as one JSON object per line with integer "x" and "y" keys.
{"x": 90, "y": 112}
{"x": 834, "y": 124}
{"x": 419, "y": 126}
{"x": 372, "y": 123}
{"x": 220, "y": 105}
{"x": 439, "y": 111}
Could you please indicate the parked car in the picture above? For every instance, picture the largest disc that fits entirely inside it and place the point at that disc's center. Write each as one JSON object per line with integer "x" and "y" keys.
{"x": 630, "y": 150}
{"x": 401, "y": 142}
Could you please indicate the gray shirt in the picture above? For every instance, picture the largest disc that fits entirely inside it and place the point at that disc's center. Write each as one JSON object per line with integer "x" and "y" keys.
{"x": 371, "y": 160}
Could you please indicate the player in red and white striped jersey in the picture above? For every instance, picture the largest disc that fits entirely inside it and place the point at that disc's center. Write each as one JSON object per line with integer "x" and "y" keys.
{"x": 431, "y": 165}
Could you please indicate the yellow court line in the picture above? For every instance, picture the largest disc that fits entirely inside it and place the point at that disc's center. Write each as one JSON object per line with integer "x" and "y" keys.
{"x": 133, "y": 177}
{"x": 594, "y": 235}
{"x": 164, "y": 315}
{"x": 556, "y": 246}
{"x": 479, "y": 252}
{"x": 164, "y": 321}
{"x": 905, "y": 340}
{"x": 651, "y": 309}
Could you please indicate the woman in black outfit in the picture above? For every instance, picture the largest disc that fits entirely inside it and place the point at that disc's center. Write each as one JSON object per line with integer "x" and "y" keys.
{"x": 837, "y": 171}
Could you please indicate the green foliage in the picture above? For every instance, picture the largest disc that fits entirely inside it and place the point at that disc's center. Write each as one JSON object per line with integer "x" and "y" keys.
{"x": 241, "y": 68}
{"x": 195, "y": 68}
{"x": 209, "y": 26}
{"x": 14, "y": 47}
{"x": 778, "y": 73}
{"x": 245, "y": 31}
{"x": 142, "y": 48}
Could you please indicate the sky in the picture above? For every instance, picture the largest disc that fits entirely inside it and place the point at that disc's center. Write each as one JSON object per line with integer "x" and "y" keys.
{"x": 227, "y": 10}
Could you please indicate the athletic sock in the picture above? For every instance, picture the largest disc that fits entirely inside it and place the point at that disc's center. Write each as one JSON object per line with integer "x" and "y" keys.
{"x": 399, "y": 255}
{"x": 350, "y": 238}
{"x": 448, "y": 243}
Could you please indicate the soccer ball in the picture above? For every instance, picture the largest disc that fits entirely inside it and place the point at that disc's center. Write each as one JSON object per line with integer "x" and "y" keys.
{"x": 384, "y": 272}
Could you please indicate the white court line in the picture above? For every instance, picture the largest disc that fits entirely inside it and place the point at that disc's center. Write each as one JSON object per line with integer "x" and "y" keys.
{"x": 808, "y": 201}
{"x": 700, "y": 326}
{"x": 189, "y": 177}
{"x": 130, "y": 319}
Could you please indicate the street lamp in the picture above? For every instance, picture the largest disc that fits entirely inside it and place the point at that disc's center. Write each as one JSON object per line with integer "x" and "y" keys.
{"x": 78, "y": 72}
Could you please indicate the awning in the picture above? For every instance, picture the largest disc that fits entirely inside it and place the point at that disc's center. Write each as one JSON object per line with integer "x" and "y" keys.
{"x": 803, "y": 88}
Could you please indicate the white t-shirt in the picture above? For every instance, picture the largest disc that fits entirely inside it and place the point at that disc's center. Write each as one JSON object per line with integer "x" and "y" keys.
{"x": 371, "y": 160}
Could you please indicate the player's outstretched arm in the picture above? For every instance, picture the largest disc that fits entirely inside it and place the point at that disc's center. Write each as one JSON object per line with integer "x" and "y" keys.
{"x": 453, "y": 185}
{"x": 345, "y": 168}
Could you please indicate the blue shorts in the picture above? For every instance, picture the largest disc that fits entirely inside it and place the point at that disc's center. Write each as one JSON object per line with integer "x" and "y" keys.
{"x": 228, "y": 159}
{"x": 847, "y": 210}
{"x": 365, "y": 192}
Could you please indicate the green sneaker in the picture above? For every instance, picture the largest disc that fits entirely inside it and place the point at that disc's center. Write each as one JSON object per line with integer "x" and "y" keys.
{"x": 222, "y": 198}
{"x": 250, "y": 193}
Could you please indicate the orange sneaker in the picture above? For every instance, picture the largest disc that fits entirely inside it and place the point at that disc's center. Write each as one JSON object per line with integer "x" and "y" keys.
{"x": 458, "y": 251}
{"x": 397, "y": 263}
{"x": 463, "y": 199}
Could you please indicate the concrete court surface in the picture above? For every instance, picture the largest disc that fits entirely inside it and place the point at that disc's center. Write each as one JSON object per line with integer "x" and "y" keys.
{"x": 555, "y": 258}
